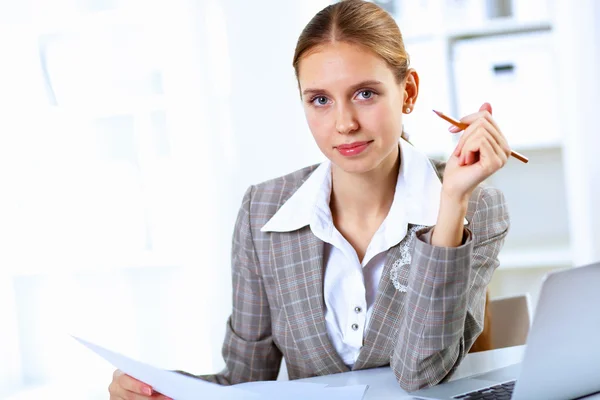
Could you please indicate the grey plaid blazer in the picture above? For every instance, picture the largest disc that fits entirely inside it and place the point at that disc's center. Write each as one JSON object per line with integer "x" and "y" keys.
{"x": 278, "y": 306}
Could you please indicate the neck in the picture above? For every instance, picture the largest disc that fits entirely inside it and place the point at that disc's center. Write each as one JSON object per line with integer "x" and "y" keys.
{"x": 367, "y": 195}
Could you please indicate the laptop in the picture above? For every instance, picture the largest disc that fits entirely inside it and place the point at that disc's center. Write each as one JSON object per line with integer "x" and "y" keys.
{"x": 562, "y": 356}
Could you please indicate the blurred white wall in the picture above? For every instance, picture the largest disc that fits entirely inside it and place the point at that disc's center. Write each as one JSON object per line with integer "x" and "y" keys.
{"x": 116, "y": 217}
{"x": 262, "y": 113}
{"x": 121, "y": 194}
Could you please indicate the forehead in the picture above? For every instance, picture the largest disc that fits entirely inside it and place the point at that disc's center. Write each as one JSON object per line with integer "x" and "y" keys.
{"x": 341, "y": 64}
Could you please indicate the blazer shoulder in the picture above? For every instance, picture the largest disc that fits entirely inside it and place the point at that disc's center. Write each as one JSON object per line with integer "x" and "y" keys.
{"x": 283, "y": 187}
{"x": 268, "y": 196}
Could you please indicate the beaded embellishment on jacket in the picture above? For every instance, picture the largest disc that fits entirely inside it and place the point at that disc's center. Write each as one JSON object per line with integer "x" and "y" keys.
{"x": 401, "y": 267}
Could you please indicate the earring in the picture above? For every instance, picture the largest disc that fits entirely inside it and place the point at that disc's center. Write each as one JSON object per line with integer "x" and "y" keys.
{"x": 407, "y": 110}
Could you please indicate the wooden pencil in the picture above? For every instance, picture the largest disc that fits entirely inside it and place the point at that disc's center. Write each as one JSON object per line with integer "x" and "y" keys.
{"x": 463, "y": 126}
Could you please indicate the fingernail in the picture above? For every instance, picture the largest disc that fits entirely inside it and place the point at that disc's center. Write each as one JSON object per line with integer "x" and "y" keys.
{"x": 148, "y": 391}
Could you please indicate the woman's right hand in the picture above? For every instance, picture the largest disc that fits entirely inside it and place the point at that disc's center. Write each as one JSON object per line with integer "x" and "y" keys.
{"x": 124, "y": 387}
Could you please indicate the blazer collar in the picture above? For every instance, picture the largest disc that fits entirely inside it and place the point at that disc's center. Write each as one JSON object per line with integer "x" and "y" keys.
{"x": 416, "y": 199}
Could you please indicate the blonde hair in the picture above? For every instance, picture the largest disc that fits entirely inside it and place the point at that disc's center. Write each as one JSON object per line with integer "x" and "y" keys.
{"x": 357, "y": 22}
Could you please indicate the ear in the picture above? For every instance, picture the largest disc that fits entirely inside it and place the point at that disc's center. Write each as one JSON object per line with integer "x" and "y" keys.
{"x": 411, "y": 89}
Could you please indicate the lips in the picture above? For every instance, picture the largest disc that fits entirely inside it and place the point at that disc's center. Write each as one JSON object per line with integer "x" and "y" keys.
{"x": 353, "y": 149}
{"x": 351, "y": 145}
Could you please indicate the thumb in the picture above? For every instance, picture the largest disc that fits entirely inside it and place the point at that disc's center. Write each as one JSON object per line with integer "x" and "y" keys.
{"x": 486, "y": 107}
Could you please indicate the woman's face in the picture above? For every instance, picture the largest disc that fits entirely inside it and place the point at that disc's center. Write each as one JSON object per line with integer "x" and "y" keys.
{"x": 353, "y": 105}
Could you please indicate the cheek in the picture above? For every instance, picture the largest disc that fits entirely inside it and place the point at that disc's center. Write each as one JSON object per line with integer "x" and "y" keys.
{"x": 384, "y": 117}
{"x": 319, "y": 124}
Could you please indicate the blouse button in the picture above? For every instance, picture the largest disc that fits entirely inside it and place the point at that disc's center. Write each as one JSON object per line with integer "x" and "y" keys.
{"x": 354, "y": 327}
{"x": 357, "y": 310}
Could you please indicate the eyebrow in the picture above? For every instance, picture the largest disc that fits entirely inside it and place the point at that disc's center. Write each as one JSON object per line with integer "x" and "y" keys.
{"x": 352, "y": 88}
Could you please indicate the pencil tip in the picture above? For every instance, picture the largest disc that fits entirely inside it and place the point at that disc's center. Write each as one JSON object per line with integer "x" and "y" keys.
{"x": 437, "y": 112}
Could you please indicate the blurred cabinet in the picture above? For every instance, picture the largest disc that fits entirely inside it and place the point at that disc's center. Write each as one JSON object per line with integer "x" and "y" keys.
{"x": 468, "y": 52}
{"x": 515, "y": 74}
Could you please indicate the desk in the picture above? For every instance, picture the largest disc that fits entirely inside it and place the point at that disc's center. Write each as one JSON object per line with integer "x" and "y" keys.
{"x": 383, "y": 385}
{"x": 382, "y": 382}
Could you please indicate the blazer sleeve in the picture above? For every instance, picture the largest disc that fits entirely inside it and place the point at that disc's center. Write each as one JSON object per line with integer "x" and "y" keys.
{"x": 248, "y": 349}
{"x": 445, "y": 298}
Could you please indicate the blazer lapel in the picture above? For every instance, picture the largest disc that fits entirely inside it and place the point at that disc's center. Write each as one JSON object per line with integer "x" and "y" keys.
{"x": 298, "y": 264}
{"x": 383, "y": 326}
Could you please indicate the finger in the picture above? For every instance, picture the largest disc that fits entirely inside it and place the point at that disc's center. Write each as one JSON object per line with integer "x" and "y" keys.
{"x": 131, "y": 384}
{"x": 473, "y": 148}
{"x": 484, "y": 111}
{"x": 121, "y": 394}
{"x": 486, "y": 107}
{"x": 486, "y": 153}
{"x": 470, "y": 157}
{"x": 496, "y": 135}
{"x": 471, "y": 118}
{"x": 500, "y": 153}
{"x": 497, "y": 150}
{"x": 469, "y": 153}
{"x": 118, "y": 393}
{"x": 487, "y": 132}
{"x": 158, "y": 396}
{"x": 490, "y": 160}
{"x": 464, "y": 137}
{"x": 483, "y": 126}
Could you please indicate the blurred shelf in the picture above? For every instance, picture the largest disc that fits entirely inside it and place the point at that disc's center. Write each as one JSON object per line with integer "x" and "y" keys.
{"x": 498, "y": 27}
{"x": 514, "y": 259}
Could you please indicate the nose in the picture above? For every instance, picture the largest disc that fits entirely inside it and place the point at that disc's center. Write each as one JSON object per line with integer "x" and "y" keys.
{"x": 346, "y": 121}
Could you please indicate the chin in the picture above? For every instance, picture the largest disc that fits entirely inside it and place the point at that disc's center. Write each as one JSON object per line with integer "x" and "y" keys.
{"x": 354, "y": 165}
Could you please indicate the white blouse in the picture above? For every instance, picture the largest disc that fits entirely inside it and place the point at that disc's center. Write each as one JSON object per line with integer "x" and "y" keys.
{"x": 350, "y": 286}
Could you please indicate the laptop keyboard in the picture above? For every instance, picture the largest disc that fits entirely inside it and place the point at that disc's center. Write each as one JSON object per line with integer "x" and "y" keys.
{"x": 502, "y": 391}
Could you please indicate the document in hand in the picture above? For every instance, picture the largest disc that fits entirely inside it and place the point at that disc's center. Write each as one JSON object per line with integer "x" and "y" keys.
{"x": 182, "y": 387}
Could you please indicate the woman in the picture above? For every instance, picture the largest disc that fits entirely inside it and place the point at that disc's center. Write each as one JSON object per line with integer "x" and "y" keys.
{"x": 367, "y": 259}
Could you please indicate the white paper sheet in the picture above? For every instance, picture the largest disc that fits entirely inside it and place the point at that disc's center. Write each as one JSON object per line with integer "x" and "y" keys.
{"x": 182, "y": 387}
{"x": 169, "y": 383}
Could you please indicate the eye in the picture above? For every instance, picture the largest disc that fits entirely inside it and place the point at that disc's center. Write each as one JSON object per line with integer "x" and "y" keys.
{"x": 319, "y": 100}
{"x": 366, "y": 94}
